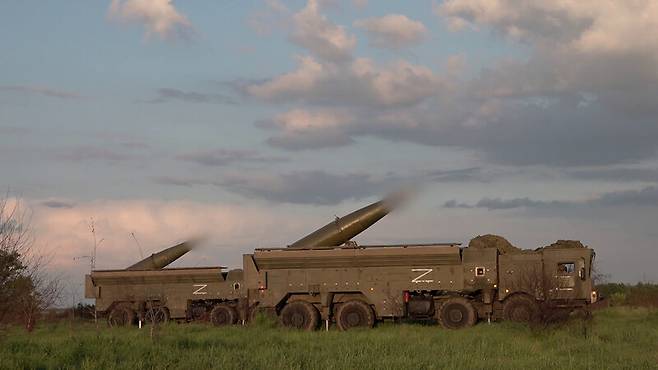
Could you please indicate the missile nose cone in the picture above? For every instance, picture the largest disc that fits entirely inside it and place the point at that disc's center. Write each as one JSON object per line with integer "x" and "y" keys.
{"x": 163, "y": 258}
{"x": 342, "y": 229}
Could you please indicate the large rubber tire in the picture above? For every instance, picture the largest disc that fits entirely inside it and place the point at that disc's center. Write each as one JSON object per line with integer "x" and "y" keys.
{"x": 300, "y": 315}
{"x": 355, "y": 314}
{"x": 582, "y": 314}
{"x": 556, "y": 316}
{"x": 222, "y": 315}
{"x": 199, "y": 313}
{"x": 521, "y": 308}
{"x": 121, "y": 316}
{"x": 457, "y": 313}
{"x": 157, "y": 315}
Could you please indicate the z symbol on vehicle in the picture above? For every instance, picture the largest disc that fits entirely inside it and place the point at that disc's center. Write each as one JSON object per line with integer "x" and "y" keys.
{"x": 419, "y": 278}
{"x": 200, "y": 289}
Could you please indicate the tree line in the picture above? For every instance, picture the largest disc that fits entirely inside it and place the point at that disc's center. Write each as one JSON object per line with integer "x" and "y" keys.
{"x": 26, "y": 289}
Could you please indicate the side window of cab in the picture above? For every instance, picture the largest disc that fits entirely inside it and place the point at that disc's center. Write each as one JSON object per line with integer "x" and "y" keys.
{"x": 566, "y": 268}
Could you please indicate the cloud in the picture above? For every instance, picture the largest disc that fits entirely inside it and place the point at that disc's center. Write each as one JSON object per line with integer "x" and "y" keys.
{"x": 126, "y": 140}
{"x": 300, "y": 129}
{"x": 361, "y": 82}
{"x": 393, "y": 31}
{"x": 177, "y": 181}
{"x": 521, "y": 131}
{"x": 134, "y": 145}
{"x": 159, "y": 17}
{"x": 307, "y": 75}
{"x": 587, "y": 26}
{"x": 503, "y": 204}
{"x": 276, "y": 6}
{"x": 54, "y": 203}
{"x": 275, "y": 15}
{"x": 13, "y": 130}
{"x": 599, "y": 50}
{"x": 309, "y": 140}
{"x": 360, "y": 4}
{"x": 569, "y": 101}
{"x": 307, "y": 187}
{"x": 512, "y": 131}
{"x": 303, "y": 120}
{"x": 92, "y": 153}
{"x": 316, "y": 33}
{"x": 157, "y": 224}
{"x": 471, "y": 174}
{"x": 42, "y": 90}
{"x": 169, "y": 94}
{"x": 616, "y": 174}
{"x": 646, "y": 197}
{"x": 224, "y": 157}
{"x": 399, "y": 83}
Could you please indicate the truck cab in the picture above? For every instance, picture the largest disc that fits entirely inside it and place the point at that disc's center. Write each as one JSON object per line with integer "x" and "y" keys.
{"x": 559, "y": 275}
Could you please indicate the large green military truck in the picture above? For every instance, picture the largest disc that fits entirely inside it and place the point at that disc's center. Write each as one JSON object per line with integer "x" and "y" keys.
{"x": 355, "y": 286}
{"x": 149, "y": 292}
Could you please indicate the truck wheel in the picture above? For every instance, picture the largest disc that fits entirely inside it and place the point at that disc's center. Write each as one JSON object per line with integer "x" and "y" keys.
{"x": 353, "y": 314}
{"x": 300, "y": 315}
{"x": 199, "y": 313}
{"x": 222, "y": 315}
{"x": 556, "y": 316}
{"x": 582, "y": 314}
{"x": 157, "y": 315}
{"x": 457, "y": 313}
{"x": 121, "y": 316}
{"x": 521, "y": 308}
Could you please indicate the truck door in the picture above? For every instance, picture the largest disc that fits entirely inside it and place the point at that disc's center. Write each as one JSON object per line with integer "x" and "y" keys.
{"x": 570, "y": 278}
{"x": 564, "y": 279}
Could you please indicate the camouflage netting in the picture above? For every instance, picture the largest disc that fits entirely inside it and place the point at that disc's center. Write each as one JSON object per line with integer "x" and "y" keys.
{"x": 505, "y": 247}
{"x": 566, "y": 244}
{"x": 493, "y": 241}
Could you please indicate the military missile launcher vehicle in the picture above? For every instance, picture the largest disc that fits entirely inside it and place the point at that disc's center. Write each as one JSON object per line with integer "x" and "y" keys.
{"x": 326, "y": 277}
{"x": 317, "y": 279}
{"x": 149, "y": 292}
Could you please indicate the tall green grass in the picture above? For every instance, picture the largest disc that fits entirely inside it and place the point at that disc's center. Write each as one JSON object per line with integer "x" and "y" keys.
{"x": 615, "y": 338}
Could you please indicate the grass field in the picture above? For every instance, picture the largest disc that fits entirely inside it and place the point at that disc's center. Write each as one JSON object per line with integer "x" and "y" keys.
{"x": 617, "y": 338}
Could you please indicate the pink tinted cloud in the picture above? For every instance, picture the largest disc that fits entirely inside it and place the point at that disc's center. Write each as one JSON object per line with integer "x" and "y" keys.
{"x": 65, "y": 231}
{"x": 159, "y": 17}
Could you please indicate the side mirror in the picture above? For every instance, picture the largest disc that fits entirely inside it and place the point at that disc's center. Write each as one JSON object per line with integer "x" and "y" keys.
{"x": 581, "y": 273}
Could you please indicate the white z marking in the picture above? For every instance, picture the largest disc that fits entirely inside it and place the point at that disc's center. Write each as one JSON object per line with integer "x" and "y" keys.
{"x": 201, "y": 287}
{"x": 419, "y": 277}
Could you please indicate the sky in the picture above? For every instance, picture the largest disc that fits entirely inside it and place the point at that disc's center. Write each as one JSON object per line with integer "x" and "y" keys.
{"x": 252, "y": 123}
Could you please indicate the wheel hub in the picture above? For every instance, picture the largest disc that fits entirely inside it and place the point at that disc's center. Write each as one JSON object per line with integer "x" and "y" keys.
{"x": 455, "y": 315}
{"x": 297, "y": 320}
{"x": 221, "y": 317}
{"x": 521, "y": 313}
{"x": 353, "y": 319}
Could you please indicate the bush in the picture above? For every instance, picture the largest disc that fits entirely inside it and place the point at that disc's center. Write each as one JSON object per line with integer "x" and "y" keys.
{"x": 639, "y": 295}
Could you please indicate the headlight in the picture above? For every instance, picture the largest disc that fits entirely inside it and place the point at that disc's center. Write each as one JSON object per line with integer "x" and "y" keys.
{"x": 595, "y": 296}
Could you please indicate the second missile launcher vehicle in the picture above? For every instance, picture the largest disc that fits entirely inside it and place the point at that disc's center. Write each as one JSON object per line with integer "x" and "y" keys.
{"x": 147, "y": 291}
